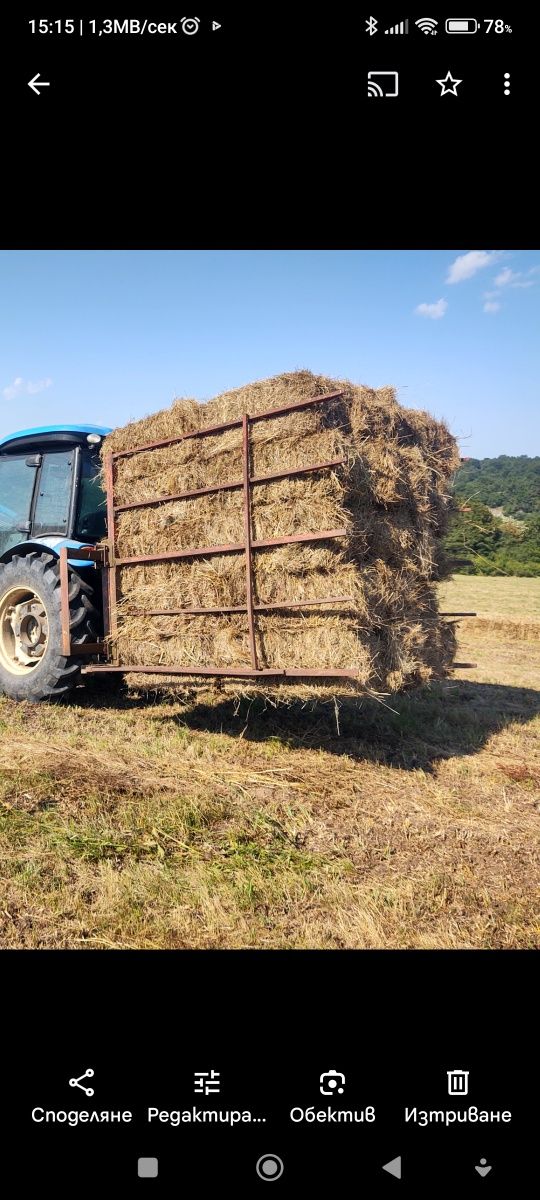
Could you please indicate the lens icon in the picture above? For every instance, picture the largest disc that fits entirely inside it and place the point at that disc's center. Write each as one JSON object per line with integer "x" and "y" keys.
{"x": 269, "y": 1167}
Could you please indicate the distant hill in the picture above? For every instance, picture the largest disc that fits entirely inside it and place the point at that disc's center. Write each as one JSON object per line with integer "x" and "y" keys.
{"x": 507, "y": 483}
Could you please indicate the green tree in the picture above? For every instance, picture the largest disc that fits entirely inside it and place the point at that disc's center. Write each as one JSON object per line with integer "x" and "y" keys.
{"x": 510, "y": 483}
{"x": 475, "y": 535}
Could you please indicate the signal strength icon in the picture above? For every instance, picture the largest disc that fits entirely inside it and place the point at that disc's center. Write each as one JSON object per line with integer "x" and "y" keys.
{"x": 401, "y": 27}
{"x": 427, "y": 24}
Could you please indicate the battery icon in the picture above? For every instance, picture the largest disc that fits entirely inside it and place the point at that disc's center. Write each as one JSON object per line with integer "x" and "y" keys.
{"x": 461, "y": 25}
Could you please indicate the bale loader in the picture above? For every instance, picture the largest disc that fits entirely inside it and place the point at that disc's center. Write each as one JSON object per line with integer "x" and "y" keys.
{"x": 59, "y": 564}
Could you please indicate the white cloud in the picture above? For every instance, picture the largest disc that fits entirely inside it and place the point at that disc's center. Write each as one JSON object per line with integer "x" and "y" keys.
{"x": 491, "y": 306}
{"x": 515, "y": 279}
{"x": 491, "y": 295}
{"x": 435, "y": 311}
{"x": 34, "y": 388}
{"x": 509, "y": 277}
{"x": 22, "y": 387}
{"x": 466, "y": 265}
{"x": 505, "y": 277}
{"x": 13, "y": 390}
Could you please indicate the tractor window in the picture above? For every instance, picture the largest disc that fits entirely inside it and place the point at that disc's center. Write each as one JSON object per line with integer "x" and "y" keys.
{"x": 16, "y": 489}
{"x": 92, "y": 514}
{"x": 51, "y": 513}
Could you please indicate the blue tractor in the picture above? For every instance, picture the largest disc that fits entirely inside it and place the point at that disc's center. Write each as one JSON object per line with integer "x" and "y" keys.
{"x": 51, "y": 496}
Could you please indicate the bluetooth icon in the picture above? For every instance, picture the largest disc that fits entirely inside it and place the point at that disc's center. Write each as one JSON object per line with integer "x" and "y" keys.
{"x": 371, "y": 26}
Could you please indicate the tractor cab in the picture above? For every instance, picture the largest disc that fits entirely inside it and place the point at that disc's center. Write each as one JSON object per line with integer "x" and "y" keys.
{"x": 50, "y": 488}
{"x": 50, "y": 497}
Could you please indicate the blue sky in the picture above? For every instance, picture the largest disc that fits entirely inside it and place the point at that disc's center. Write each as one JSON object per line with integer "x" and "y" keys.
{"x": 102, "y": 336}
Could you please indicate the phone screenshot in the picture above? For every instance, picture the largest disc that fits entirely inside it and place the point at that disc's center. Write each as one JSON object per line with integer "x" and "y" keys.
{"x": 269, "y": 603}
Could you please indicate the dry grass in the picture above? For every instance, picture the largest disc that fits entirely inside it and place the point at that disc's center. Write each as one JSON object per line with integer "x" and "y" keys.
{"x": 509, "y": 607}
{"x": 390, "y": 496}
{"x": 207, "y": 820}
{"x": 493, "y": 595}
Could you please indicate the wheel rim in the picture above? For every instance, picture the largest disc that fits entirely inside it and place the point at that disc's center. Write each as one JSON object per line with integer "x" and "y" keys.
{"x": 24, "y": 630}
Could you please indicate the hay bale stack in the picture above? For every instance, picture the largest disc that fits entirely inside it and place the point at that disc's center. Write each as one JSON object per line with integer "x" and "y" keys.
{"x": 391, "y": 496}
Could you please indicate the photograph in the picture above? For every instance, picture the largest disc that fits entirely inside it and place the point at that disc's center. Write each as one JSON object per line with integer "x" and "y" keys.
{"x": 269, "y": 603}
{"x": 269, "y": 600}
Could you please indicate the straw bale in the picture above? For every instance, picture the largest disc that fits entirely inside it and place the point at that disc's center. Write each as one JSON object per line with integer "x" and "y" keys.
{"x": 391, "y": 496}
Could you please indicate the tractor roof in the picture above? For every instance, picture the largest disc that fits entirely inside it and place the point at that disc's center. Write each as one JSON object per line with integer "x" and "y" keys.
{"x": 50, "y": 433}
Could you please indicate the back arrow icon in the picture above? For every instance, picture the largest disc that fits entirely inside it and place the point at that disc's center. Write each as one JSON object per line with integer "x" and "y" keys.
{"x": 33, "y": 83}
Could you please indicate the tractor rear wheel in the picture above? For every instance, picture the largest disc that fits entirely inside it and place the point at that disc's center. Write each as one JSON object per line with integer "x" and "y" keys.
{"x": 32, "y": 666}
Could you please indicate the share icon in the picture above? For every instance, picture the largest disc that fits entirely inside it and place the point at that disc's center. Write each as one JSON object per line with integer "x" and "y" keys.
{"x": 77, "y": 1082}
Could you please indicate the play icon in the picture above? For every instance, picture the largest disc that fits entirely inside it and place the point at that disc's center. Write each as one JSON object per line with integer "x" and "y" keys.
{"x": 393, "y": 1167}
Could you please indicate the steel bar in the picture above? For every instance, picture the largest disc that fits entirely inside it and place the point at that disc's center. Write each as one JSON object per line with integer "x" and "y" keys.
{"x": 458, "y": 614}
{"x": 325, "y": 466}
{"x": 87, "y": 648}
{"x": 247, "y": 536}
{"x": 231, "y": 547}
{"x": 106, "y": 602}
{"x": 211, "y": 429}
{"x": 233, "y": 672}
{"x": 64, "y": 601}
{"x": 298, "y": 404}
{"x": 182, "y": 437}
{"x": 206, "y": 491}
{"x": 230, "y": 486}
{"x": 111, "y": 589}
{"x": 95, "y": 554}
{"x": 456, "y": 664}
{"x": 242, "y": 608}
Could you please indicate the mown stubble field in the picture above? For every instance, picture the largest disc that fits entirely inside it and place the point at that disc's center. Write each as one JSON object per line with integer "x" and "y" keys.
{"x": 206, "y": 820}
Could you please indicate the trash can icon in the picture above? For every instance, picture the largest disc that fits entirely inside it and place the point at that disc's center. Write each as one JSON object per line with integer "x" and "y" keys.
{"x": 458, "y": 1083}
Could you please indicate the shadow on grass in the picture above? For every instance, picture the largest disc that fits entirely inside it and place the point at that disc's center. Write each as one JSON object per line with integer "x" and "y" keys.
{"x": 408, "y": 731}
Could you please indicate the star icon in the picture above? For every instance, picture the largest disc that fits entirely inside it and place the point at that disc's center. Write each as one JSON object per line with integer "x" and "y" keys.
{"x": 449, "y": 85}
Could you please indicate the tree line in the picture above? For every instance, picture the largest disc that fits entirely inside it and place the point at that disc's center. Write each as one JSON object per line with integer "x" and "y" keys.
{"x": 490, "y": 544}
{"x": 510, "y": 483}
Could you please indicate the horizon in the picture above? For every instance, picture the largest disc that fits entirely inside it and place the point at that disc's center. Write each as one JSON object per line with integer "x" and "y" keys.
{"x": 102, "y": 337}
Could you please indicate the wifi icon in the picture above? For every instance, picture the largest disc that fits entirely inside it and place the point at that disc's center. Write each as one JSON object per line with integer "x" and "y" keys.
{"x": 427, "y": 25}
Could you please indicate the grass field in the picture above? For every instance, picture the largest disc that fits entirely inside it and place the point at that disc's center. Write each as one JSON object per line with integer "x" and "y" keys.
{"x": 212, "y": 821}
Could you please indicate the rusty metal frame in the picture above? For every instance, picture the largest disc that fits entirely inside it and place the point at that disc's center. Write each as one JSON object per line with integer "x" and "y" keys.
{"x": 247, "y": 535}
{"x": 242, "y": 608}
{"x": 230, "y": 547}
{"x": 457, "y": 614}
{"x": 246, "y": 547}
{"x": 64, "y": 602}
{"x": 233, "y": 485}
{"x": 236, "y": 672}
{"x": 97, "y": 555}
{"x": 112, "y": 563}
{"x": 110, "y": 619}
{"x": 231, "y": 672}
{"x": 285, "y": 604}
